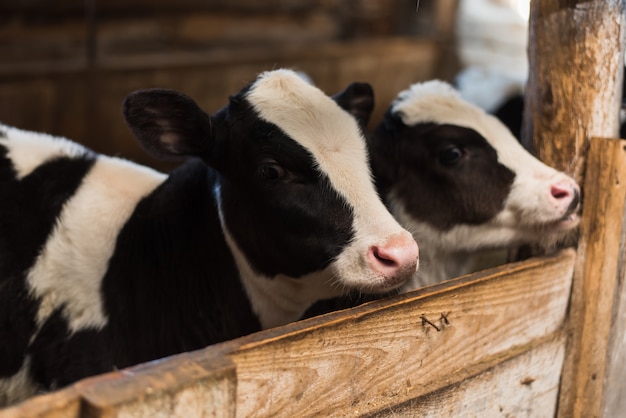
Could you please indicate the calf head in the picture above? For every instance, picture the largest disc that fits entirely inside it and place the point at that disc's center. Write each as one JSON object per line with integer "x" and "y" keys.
{"x": 294, "y": 189}
{"x": 458, "y": 178}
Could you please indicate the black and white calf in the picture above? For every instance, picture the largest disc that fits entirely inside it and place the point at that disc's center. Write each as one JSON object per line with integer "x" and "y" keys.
{"x": 105, "y": 264}
{"x": 458, "y": 179}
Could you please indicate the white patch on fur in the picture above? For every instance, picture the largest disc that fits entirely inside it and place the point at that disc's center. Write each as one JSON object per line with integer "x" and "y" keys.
{"x": 69, "y": 270}
{"x": 333, "y": 137}
{"x": 448, "y": 254}
{"x": 528, "y": 214}
{"x": 281, "y": 299}
{"x": 18, "y": 387}
{"x": 28, "y": 150}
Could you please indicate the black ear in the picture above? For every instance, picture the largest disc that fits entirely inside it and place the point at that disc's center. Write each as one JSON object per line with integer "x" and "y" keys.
{"x": 358, "y": 100}
{"x": 511, "y": 114}
{"x": 168, "y": 124}
{"x": 390, "y": 124}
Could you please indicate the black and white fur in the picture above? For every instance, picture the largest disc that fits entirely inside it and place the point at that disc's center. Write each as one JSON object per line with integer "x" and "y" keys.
{"x": 105, "y": 264}
{"x": 458, "y": 179}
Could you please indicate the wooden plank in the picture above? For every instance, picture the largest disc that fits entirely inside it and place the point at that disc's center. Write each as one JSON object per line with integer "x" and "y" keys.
{"x": 385, "y": 353}
{"x": 615, "y": 383}
{"x": 64, "y": 403}
{"x": 524, "y": 386}
{"x": 30, "y": 47}
{"x": 593, "y": 364}
{"x": 202, "y": 32}
{"x": 186, "y": 386}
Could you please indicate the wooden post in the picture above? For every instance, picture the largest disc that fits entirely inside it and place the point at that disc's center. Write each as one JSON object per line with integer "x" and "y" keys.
{"x": 576, "y": 57}
{"x": 593, "y": 378}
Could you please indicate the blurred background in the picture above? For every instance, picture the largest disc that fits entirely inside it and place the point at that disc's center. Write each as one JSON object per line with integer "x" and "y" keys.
{"x": 66, "y": 65}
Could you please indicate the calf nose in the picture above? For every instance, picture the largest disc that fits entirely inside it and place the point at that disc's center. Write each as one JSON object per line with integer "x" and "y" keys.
{"x": 566, "y": 194}
{"x": 396, "y": 260}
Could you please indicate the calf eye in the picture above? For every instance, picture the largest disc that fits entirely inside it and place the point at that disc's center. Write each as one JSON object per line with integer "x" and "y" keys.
{"x": 450, "y": 156}
{"x": 272, "y": 171}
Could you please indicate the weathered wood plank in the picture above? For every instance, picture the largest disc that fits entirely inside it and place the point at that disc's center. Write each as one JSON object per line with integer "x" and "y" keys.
{"x": 594, "y": 361}
{"x": 186, "y": 386}
{"x": 64, "y": 403}
{"x": 202, "y": 32}
{"x": 524, "y": 386}
{"x": 385, "y": 353}
{"x": 48, "y": 46}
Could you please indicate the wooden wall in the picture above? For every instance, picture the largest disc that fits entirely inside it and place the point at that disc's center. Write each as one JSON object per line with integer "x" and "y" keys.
{"x": 67, "y": 65}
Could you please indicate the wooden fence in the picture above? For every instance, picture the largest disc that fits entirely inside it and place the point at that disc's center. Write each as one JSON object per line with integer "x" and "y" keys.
{"x": 494, "y": 343}
{"x": 491, "y": 343}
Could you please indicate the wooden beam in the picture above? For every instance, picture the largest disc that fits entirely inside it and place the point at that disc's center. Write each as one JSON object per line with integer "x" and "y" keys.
{"x": 524, "y": 386}
{"x": 65, "y": 403}
{"x": 594, "y": 368}
{"x": 576, "y": 58}
{"x": 186, "y": 385}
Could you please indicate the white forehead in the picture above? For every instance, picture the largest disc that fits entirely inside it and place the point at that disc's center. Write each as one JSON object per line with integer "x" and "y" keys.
{"x": 316, "y": 122}
{"x": 438, "y": 102}
{"x": 435, "y": 101}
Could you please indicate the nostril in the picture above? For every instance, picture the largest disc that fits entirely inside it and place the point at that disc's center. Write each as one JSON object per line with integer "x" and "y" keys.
{"x": 383, "y": 257}
{"x": 560, "y": 192}
{"x": 396, "y": 259}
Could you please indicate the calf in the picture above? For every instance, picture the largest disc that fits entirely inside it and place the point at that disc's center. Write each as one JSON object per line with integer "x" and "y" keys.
{"x": 458, "y": 179}
{"x": 105, "y": 264}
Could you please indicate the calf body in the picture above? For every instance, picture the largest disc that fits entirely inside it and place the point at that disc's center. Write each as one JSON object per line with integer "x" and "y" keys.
{"x": 105, "y": 264}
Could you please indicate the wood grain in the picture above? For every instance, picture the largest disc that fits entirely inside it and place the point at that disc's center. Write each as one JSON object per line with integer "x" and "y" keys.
{"x": 576, "y": 58}
{"x": 385, "y": 354}
{"x": 524, "y": 386}
{"x": 594, "y": 362}
{"x": 64, "y": 403}
{"x": 185, "y": 385}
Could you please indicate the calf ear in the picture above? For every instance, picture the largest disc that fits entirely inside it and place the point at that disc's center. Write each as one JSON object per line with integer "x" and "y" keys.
{"x": 358, "y": 100}
{"x": 168, "y": 124}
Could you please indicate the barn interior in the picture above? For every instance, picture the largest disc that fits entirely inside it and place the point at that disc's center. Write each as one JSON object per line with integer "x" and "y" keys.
{"x": 68, "y": 65}
{"x": 544, "y": 337}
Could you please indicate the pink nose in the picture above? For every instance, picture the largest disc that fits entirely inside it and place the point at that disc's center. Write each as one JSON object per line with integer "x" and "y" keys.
{"x": 396, "y": 260}
{"x": 566, "y": 195}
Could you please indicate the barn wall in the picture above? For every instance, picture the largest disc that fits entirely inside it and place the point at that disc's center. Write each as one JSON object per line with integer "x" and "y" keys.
{"x": 67, "y": 65}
